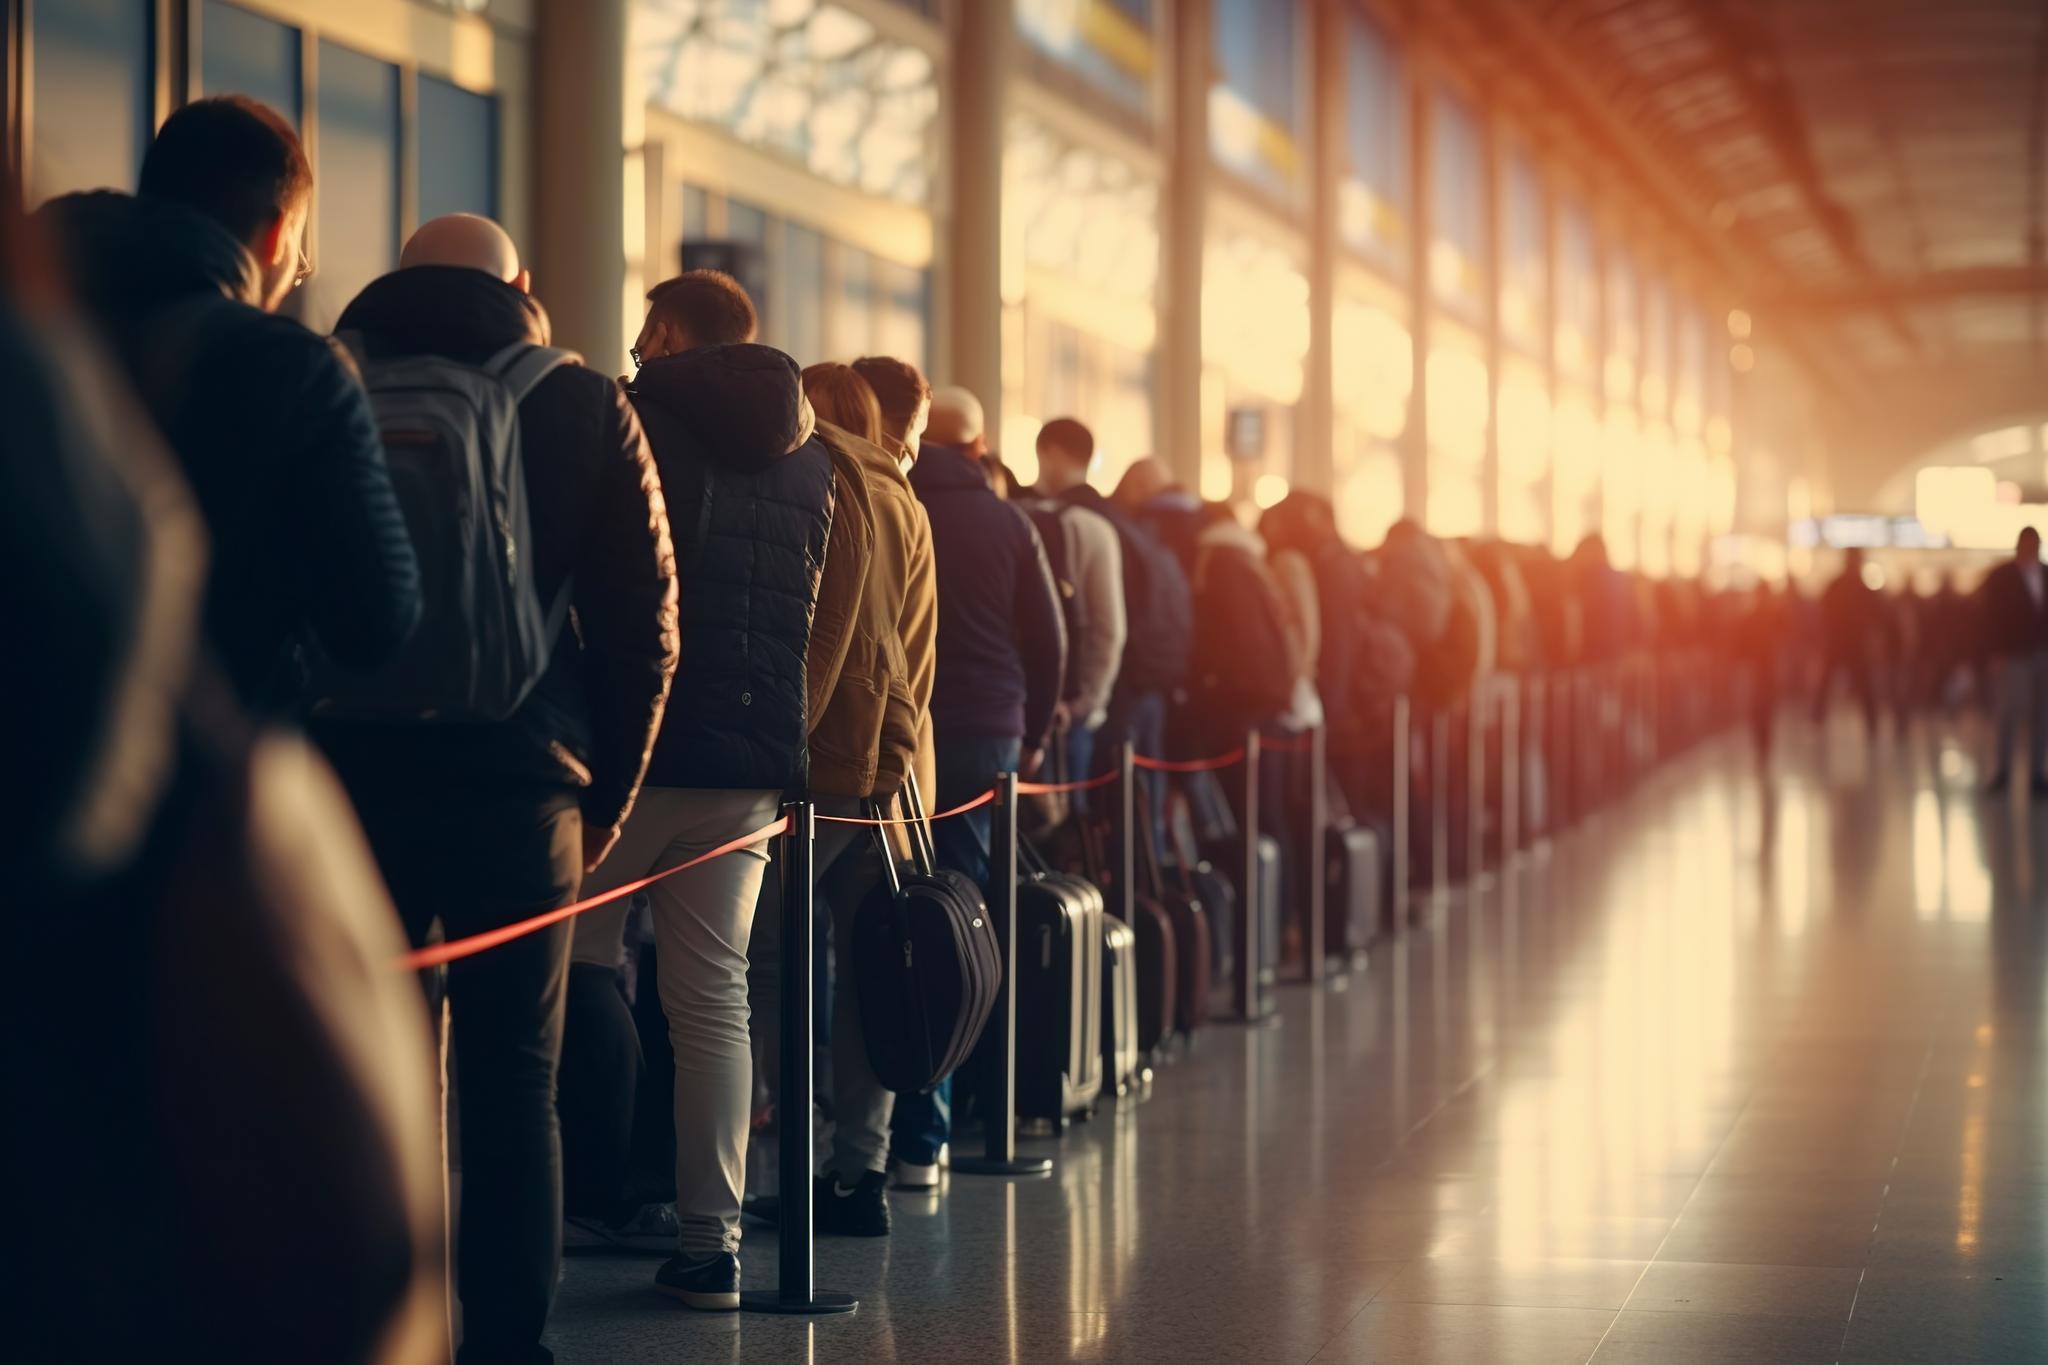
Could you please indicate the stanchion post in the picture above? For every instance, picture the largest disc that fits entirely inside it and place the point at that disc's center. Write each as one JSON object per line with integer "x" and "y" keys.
{"x": 1475, "y": 781}
{"x": 1404, "y": 737}
{"x": 999, "y": 1094}
{"x": 1252, "y": 1004}
{"x": 1317, "y": 861}
{"x": 795, "y": 1292}
{"x": 1510, "y": 770}
{"x": 1439, "y": 804}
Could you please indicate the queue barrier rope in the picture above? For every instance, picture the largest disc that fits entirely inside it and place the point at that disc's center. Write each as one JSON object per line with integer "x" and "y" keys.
{"x": 880, "y": 821}
{"x": 454, "y": 950}
{"x": 1191, "y": 765}
{"x": 435, "y": 954}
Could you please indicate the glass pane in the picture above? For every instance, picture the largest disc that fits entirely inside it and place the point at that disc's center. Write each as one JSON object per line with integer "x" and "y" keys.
{"x": 458, "y": 131}
{"x": 246, "y": 54}
{"x": 1109, "y": 42}
{"x": 851, "y": 322}
{"x": 92, "y": 102}
{"x": 1459, "y": 201}
{"x": 696, "y": 213}
{"x": 1373, "y": 196}
{"x": 803, "y": 290}
{"x": 1255, "y": 106}
{"x": 899, "y": 293}
{"x": 358, "y": 175}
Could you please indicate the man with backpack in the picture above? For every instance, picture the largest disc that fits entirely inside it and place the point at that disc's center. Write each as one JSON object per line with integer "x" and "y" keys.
{"x": 1086, "y": 558}
{"x": 185, "y": 278}
{"x": 487, "y": 795}
{"x": 1158, "y": 608}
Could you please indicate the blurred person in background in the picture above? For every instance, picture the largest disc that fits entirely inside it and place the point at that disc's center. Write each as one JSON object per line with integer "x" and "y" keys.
{"x": 863, "y": 740}
{"x": 243, "y": 1036}
{"x": 1002, "y": 656}
{"x": 2013, "y": 637}
{"x": 1855, "y": 641}
{"x": 1087, "y": 560}
{"x": 1158, "y": 611}
{"x": 272, "y": 431}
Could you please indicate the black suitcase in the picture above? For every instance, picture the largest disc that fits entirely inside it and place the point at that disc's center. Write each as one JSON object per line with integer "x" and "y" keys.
{"x": 1352, "y": 913}
{"x": 1122, "y": 1058}
{"x": 1227, "y": 856}
{"x": 1058, "y": 993}
{"x": 929, "y": 964}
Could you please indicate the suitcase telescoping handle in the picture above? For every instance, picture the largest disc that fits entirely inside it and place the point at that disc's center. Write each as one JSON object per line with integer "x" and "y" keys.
{"x": 924, "y": 851}
{"x": 876, "y": 810}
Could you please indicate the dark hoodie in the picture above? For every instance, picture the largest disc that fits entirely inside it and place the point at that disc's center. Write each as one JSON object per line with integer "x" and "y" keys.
{"x": 596, "y": 509}
{"x": 272, "y": 430}
{"x": 1002, "y": 640}
{"x": 749, "y": 491}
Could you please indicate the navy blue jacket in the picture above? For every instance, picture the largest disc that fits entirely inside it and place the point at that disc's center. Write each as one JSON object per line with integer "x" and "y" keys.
{"x": 272, "y": 430}
{"x": 1002, "y": 643}
{"x": 749, "y": 491}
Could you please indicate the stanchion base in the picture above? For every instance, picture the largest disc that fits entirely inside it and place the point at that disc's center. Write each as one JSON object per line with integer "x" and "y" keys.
{"x": 821, "y": 1303}
{"x": 989, "y": 1165}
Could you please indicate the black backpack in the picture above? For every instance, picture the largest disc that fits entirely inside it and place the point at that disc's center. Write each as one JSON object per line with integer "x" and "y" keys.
{"x": 451, "y": 436}
{"x": 1158, "y": 606}
{"x": 1047, "y": 515}
{"x": 928, "y": 963}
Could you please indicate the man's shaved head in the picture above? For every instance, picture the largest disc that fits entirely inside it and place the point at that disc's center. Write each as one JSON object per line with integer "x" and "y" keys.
{"x": 467, "y": 240}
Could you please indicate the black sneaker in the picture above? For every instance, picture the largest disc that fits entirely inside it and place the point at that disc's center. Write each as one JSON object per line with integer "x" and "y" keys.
{"x": 711, "y": 1286}
{"x": 857, "y": 1210}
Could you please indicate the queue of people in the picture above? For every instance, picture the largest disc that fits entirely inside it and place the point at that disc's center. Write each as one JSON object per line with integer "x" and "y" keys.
{"x": 559, "y": 634}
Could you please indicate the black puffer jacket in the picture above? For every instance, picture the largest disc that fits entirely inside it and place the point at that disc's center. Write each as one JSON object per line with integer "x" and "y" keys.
{"x": 596, "y": 510}
{"x": 272, "y": 431}
{"x": 749, "y": 491}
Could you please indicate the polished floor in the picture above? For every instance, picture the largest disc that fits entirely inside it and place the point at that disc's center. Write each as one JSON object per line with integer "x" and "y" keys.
{"x": 1735, "y": 1074}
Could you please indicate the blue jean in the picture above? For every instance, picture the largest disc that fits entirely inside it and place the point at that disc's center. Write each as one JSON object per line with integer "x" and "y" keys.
{"x": 966, "y": 768}
{"x": 1141, "y": 718}
{"x": 1080, "y": 742}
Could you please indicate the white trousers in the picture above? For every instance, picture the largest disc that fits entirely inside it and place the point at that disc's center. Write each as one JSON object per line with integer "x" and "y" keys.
{"x": 702, "y": 921}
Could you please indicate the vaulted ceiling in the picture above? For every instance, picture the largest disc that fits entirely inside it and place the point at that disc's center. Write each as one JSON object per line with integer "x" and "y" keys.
{"x": 1870, "y": 172}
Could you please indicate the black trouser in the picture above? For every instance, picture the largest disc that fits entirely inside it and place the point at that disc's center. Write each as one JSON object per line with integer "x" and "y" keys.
{"x": 477, "y": 857}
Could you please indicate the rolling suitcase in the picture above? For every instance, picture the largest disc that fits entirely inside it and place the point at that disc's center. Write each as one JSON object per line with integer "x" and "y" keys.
{"x": 1122, "y": 1059}
{"x": 1192, "y": 963}
{"x": 1352, "y": 893}
{"x": 1058, "y": 993}
{"x": 1156, "y": 962}
{"x": 1227, "y": 855}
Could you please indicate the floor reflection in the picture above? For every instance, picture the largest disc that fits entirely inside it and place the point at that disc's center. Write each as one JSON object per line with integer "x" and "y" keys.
{"x": 1742, "y": 1070}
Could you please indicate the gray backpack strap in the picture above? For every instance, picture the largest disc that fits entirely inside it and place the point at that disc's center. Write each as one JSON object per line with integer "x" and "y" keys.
{"x": 522, "y": 365}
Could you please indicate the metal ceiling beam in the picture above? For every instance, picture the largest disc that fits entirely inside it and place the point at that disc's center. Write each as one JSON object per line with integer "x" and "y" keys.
{"x": 1941, "y": 286}
{"x": 1743, "y": 257}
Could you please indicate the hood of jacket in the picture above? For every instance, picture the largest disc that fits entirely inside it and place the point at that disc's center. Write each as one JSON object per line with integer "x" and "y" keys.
{"x": 1232, "y": 535}
{"x": 743, "y": 405}
{"x": 446, "y": 310}
{"x": 128, "y": 255}
{"x": 947, "y": 469}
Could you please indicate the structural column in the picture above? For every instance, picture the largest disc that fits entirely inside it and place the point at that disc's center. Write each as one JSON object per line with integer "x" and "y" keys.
{"x": 977, "y": 95}
{"x": 1183, "y": 232}
{"x": 1493, "y": 247}
{"x": 1315, "y": 449}
{"x": 578, "y": 254}
{"x": 1421, "y": 288}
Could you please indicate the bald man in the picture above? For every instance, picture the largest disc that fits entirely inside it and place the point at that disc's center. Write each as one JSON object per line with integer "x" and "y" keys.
{"x": 478, "y": 825}
{"x": 470, "y": 241}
